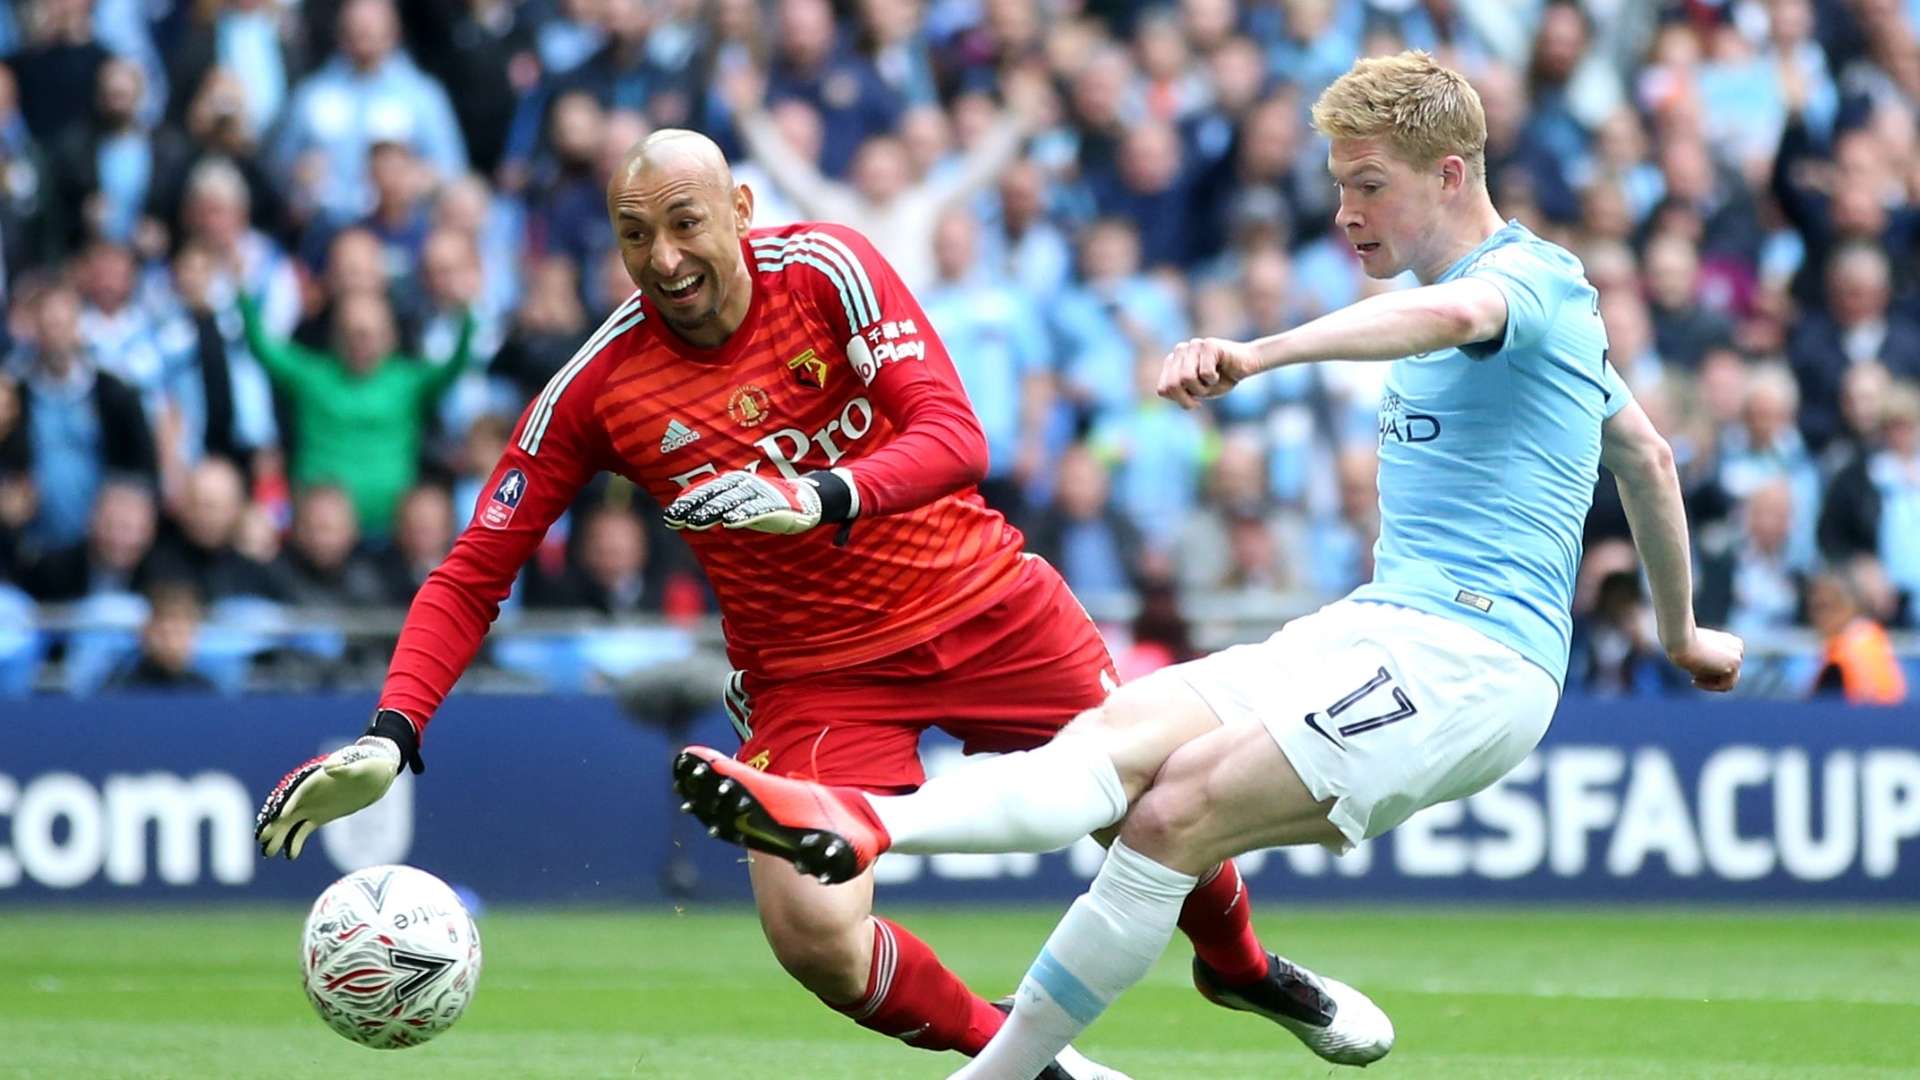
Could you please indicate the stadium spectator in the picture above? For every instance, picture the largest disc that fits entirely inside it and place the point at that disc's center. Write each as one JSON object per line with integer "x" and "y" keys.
{"x": 1000, "y": 349}
{"x": 400, "y": 214}
{"x": 547, "y": 330}
{"x": 1683, "y": 327}
{"x": 610, "y": 573}
{"x": 113, "y": 558}
{"x": 811, "y": 62}
{"x": 360, "y": 411}
{"x": 1157, "y": 454}
{"x": 1859, "y": 324}
{"x": 1863, "y": 396}
{"x": 423, "y": 532}
{"x": 566, "y": 196}
{"x": 1340, "y": 543}
{"x": 242, "y": 39}
{"x": 59, "y": 68}
{"x": 1151, "y": 185}
{"x": 894, "y": 36}
{"x": 1104, "y": 323}
{"x": 1873, "y": 505}
{"x": 217, "y": 402}
{"x": 1096, "y": 548}
{"x": 29, "y": 230}
{"x": 496, "y": 224}
{"x": 81, "y": 423}
{"x": 204, "y": 546}
{"x": 1614, "y": 652}
{"x": 1518, "y": 166}
{"x": 122, "y": 332}
{"x": 645, "y": 65}
{"x": 1267, "y": 155}
{"x": 1238, "y": 540}
{"x": 323, "y": 565}
{"x": 214, "y": 216}
{"x": 368, "y": 92}
{"x": 882, "y": 197}
{"x": 1858, "y": 659}
{"x": 1766, "y": 446}
{"x": 1749, "y": 581}
{"x": 1023, "y": 245}
{"x": 165, "y": 660}
{"x": 217, "y": 129}
{"x": 483, "y": 52}
{"x": 107, "y": 167}
{"x": 356, "y": 266}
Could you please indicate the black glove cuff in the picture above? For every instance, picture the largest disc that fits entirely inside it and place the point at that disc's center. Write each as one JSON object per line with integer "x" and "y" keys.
{"x": 836, "y": 497}
{"x": 393, "y": 724}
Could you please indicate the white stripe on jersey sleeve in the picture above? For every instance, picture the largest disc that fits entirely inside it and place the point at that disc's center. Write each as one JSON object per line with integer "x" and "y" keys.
{"x": 624, "y": 318}
{"x": 833, "y": 260}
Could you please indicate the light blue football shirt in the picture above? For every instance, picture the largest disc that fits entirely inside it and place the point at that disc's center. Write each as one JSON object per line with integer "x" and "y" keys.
{"x": 1489, "y": 454}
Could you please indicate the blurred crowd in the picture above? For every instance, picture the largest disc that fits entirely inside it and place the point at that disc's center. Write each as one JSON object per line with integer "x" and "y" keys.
{"x": 280, "y": 275}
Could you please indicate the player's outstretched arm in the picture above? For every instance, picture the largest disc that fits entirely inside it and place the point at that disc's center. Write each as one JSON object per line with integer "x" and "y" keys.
{"x": 1385, "y": 327}
{"x": 1642, "y": 465}
{"x": 549, "y": 460}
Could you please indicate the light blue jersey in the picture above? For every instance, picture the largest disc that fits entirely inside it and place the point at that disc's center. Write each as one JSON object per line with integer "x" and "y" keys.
{"x": 1489, "y": 453}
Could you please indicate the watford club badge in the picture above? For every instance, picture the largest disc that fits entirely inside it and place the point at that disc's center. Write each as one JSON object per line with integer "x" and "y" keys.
{"x": 748, "y": 406}
{"x": 809, "y": 370}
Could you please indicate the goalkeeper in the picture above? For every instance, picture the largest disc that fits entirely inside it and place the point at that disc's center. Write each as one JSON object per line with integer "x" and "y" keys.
{"x": 781, "y": 394}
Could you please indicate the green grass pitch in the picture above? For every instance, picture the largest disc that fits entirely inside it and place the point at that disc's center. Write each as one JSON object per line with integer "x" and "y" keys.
{"x": 1497, "y": 993}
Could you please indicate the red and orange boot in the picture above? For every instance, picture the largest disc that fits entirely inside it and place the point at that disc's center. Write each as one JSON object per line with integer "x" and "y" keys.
{"x": 830, "y": 833}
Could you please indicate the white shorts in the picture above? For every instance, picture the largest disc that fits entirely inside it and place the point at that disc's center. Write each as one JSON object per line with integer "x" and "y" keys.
{"x": 1384, "y": 709}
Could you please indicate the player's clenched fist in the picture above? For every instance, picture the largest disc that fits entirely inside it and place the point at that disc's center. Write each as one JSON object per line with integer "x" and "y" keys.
{"x": 1713, "y": 659}
{"x": 337, "y": 784}
{"x": 1203, "y": 368}
{"x": 744, "y": 500}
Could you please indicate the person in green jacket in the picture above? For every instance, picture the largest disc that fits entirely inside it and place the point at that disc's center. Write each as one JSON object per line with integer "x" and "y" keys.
{"x": 359, "y": 412}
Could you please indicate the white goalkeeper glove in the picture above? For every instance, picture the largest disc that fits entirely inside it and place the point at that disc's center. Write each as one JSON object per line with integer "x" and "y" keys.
{"x": 770, "y": 504}
{"x": 337, "y": 784}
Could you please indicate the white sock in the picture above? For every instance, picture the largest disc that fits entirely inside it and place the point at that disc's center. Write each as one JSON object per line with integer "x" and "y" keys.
{"x": 1034, "y": 800}
{"x": 1108, "y": 941}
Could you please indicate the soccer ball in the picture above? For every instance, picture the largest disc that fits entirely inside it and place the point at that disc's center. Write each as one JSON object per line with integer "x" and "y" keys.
{"x": 390, "y": 957}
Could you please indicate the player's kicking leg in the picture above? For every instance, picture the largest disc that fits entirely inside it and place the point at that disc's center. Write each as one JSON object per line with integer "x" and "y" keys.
{"x": 1225, "y": 793}
{"x": 1036, "y": 800}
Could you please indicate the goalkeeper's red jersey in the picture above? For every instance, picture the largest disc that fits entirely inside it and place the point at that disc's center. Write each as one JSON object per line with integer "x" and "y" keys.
{"x": 834, "y": 366}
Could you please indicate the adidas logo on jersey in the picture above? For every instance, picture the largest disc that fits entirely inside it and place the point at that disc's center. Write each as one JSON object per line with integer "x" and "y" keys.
{"x": 677, "y": 436}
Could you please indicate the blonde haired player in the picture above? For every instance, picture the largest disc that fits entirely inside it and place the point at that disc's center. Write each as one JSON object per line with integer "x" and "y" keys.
{"x": 1424, "y": 685}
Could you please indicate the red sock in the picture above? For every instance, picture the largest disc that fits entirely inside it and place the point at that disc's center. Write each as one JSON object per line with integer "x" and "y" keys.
{"x": 913, "y": 997}
{"x": 1218, "y": 919}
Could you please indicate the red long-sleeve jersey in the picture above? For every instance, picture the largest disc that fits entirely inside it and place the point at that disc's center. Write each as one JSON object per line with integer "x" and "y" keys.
{"x": 833, "y": 366}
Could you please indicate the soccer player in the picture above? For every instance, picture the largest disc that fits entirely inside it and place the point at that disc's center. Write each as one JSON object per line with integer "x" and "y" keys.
{"x": 1424, "y": 685}
{"x": 781, "y": 394}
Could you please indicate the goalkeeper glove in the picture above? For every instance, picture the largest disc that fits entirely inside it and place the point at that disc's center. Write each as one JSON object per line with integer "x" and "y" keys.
{"x": 770, "y": 504}
{"x": 337, "y": 784}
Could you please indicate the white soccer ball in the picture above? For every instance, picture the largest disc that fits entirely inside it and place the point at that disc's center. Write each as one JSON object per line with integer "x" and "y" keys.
{"x": 390, "y": 957}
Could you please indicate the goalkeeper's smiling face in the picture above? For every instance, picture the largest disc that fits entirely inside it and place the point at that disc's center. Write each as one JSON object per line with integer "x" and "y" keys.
{"x": 678, "y": 218}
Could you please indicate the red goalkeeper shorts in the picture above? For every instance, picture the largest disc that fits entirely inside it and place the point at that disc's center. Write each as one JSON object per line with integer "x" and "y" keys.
{"x": 1008, "y": 678}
